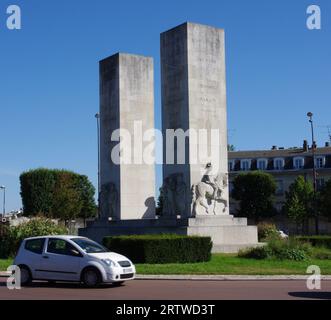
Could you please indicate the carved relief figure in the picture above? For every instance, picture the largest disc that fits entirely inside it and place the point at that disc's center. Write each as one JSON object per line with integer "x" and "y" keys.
{"x": 108, "y": 200}
{"x": 168, "y": 199}
{"x": 174, "y": 195}
{"x": 180, "y": 195}
{"x": 209, "y": 193}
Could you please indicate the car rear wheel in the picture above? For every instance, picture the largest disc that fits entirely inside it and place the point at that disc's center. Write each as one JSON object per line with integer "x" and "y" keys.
{"x": 26, "y": 277}
{"x": 91, "y": 278}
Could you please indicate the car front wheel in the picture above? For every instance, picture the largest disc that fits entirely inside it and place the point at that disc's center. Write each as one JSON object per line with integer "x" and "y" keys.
{"x": 118, "y": 284}
{"x": 91, "y": 278}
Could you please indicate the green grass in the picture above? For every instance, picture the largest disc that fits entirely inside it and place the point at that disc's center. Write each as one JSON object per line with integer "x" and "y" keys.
{"x": 5, "y": 263}
{"x": 226, "y": 264}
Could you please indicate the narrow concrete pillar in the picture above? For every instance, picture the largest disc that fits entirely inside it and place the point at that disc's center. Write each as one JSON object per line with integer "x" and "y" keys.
{"x": 126, "y": 102}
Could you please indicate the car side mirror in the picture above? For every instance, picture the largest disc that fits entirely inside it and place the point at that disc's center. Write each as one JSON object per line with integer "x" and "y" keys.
{"x": 75, "y": 253}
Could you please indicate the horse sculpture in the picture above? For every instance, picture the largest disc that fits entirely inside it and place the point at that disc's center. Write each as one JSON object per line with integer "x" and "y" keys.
{"x": 208, "y": 193}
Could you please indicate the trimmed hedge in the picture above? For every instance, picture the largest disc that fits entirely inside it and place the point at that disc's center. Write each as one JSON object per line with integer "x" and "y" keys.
{"x": 161, "y": 249}
{"x": 57, "y": 194}
{"x": 317, "y": 241}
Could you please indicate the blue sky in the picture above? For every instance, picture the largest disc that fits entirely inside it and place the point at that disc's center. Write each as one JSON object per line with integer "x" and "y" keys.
{"x": 277, "y": 70}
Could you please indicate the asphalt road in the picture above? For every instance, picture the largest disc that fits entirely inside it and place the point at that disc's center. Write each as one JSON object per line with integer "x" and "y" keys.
{"x": 171, "y": 290}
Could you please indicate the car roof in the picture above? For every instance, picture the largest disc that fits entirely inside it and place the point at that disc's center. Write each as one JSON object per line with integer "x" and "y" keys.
{"x": 61, "y": 237}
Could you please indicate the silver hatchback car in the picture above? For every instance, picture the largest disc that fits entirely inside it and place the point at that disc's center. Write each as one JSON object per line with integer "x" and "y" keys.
{"x": 71, "y": 258}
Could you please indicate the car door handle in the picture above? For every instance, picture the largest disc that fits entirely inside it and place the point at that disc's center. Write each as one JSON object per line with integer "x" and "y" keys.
{"x": 45, "y": 257}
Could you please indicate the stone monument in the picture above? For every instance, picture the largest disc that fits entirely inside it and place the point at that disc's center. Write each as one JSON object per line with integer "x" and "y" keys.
{"x": 195, "y": 189}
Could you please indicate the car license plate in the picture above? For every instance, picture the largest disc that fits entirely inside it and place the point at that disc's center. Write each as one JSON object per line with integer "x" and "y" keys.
{"x": 128, "y": 270}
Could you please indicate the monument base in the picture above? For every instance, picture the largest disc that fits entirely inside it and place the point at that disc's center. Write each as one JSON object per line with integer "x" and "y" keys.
{"x": 228, "y": 234}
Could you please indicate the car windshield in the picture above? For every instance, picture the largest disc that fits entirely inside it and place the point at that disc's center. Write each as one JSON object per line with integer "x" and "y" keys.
{"x": 89, "y": 246}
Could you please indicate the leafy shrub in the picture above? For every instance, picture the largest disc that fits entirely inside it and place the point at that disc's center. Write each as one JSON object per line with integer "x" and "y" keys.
{"x": 286, "y": 249}
{"x": 290, "y": 249}
{"x": 267, "y": 231}
{"x": 258, "y": 253}
{"x": 4, "y": 233}
{"x": 321, "y": 253}
{"x": 161, "y": 249}
{"x": 317, "y": 241}
{"x": 33, "y": 228}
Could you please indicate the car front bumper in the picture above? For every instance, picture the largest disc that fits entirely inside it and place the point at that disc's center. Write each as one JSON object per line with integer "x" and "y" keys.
{"x": 120, "y": 277}
{"x": 119, "y": 274}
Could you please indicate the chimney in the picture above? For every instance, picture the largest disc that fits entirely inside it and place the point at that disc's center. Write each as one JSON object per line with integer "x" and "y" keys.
{"x": 327, "y": 144}
{"x": 305, "y": 146}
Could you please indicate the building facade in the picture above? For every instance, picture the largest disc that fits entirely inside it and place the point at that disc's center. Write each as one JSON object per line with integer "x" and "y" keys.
{"x": 285, "y": 165}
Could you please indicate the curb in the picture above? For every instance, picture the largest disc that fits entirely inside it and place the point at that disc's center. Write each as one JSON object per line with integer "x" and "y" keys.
{"x": 215, "y": 277}
{"x": 227, "y": 277}
{"x": 4, "y": 274}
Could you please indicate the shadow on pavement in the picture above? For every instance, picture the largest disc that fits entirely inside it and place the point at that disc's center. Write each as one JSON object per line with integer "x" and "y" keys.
{"x": 321, "y": 295}
{"x": 65, "y": 285}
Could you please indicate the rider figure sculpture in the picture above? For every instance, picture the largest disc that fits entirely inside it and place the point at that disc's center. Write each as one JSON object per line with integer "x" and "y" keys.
{"x": 213, "y": 181}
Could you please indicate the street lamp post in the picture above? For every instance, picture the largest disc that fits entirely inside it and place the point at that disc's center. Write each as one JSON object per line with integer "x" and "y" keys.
{"x": 310, "y": 116}
{"x": 4, "y": 200}
{"x": 97, "y": 116}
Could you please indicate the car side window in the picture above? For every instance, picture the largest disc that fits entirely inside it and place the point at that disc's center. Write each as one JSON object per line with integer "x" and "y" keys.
{"x": 35, "y": 246}
{"x": 59, "y": 246}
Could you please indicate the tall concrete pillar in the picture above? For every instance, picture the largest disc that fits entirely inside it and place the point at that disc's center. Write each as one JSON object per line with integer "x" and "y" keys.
{"x": 194, "y": 97}
{"x": 126, "y": 102}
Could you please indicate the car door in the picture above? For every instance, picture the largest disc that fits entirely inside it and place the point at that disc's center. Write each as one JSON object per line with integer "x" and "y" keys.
{"x": 60, "y": 261}
{"x": 31, "y": 254}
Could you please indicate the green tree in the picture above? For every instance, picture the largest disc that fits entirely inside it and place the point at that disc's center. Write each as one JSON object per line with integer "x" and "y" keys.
{"x": 57, "y": 194}
{"x": 325, "y": 200}
{"x": 299, "y": 202}
{"x": 255, "y": 192}
{"x": 67, "y": 200}
{"x": 37, "y": 187}
{"x": 87, "y": 191}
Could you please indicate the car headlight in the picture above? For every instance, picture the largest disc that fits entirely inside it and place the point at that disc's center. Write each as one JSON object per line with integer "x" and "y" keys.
{"x": 109, "y": 263}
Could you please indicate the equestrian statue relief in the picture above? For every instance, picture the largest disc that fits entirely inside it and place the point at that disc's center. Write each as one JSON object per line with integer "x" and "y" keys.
{"x": 208, "y": 194}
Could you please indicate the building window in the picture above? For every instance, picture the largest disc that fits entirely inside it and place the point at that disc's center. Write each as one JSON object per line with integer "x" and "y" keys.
{"x": 280, "y": 188}
{"x": 279, "y": 164}
{"x": 245, "y": 165}
{"x": 231, "y": 165}
{"x": 320, "y": 162}
{"x": 262, "y": 164}
{"x": 298, "y": 163}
